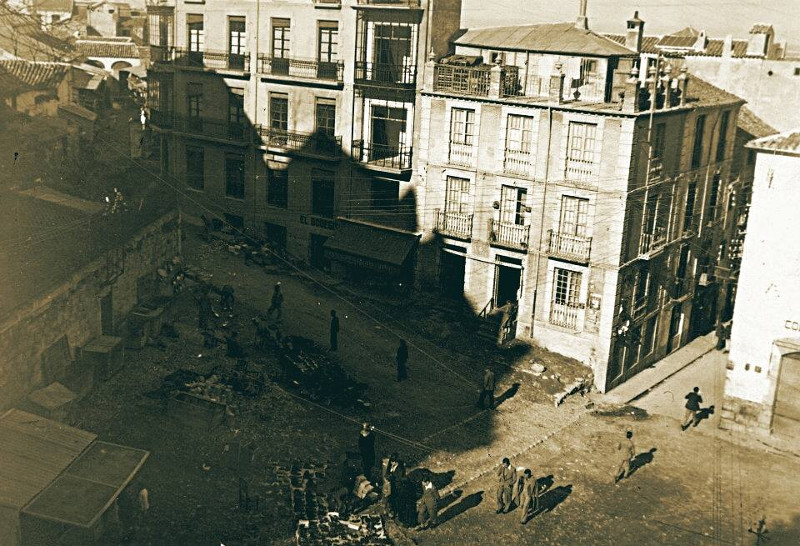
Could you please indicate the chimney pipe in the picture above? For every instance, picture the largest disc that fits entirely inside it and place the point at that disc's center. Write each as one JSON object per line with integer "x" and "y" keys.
{"x": 635, "y": 33}
{"x": 582, "y": 21}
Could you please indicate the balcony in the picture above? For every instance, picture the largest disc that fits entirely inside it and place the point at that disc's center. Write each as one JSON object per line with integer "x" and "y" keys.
{"x": 161, "y": 119}
{"x": 212, "y": 60}
{"x": 389, "y": 4}
{"x": 572, "y": 248}
{"x": 385, "y": 74}
{"x": 309, "y": 144}
{"x": 305, "y": 69}
{"x": 513, "y": 236}
{"x": 462, "y": 155}
{"x": 656, "y": 172}
{"x": 161, "y": 54}
{"x": 581, "y": 173}
{"x": 476, "y": 81}
{"x": 454, "y": 224}
{"x": 330, "y": 4}
{"x": 218, "y": 129}
{"x": 651, "y": 244}
{"x": 382, "y": 156}
{"x": 565, "y": 314}
{"x": 518, "y": 162}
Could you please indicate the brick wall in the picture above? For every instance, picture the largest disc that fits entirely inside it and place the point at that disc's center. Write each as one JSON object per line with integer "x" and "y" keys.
{"x": 73, "y": 310}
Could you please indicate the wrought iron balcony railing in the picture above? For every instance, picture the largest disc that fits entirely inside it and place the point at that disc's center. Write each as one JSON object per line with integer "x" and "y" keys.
{"x": 386, "y": 74}
{"x": 518, "y": 162}
{"x": 382, "y": 155}
{"x": 564, "y": 314}
{"x": 476, "y": 81}
{"x": 462, "y": 155}
{"x": 569, "y": 247}
{"x": 210, "y": 127}
{"x": 651, "y": 244}
{"x": 214, "y": 60}
{"x": 509, "y": 235}
{"x": 656, "y": 169}
{"x": 454, "y": 224}
{"x": 312, "y": 144}
{"x": 309, "y": 69}
{"x": 583, "y": 173}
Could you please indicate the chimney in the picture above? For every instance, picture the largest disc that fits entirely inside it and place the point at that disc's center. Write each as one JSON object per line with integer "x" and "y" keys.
{"x": 702, "y": 41}
{"x": 633, "y": 38}
{"x": 761, "y": 37}
{"x": 727, "y": 46}
{"x": 582, "y": 21}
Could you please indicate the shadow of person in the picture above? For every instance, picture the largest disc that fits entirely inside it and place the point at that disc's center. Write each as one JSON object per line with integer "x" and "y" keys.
{"x": 450, "y": 498}
{"x": 552, "y": 498}
{"x": 470, "y": 501}
{"x": 641, "y": 460}
{"x": 704, "y": 413}
{"x": 510, "y": 392}
{"x": 544, "y": 483}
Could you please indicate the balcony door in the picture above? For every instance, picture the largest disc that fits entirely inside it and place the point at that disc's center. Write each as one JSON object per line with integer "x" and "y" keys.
{"x": 237, "y": 42}
{"x": 327, "y": 50}
{"x": 388, "y": 128}
{"x": 512, "y": 205}
{"x": 196, "y": 40}
{"x": 392, "y": 53}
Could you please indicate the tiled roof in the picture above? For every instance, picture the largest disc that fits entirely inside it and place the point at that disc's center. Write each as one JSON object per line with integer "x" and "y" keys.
{"x": 677, "y": 41}
{"x": 687, "y": 31}
{"x": 753, "y": 125}
{"x": 762, "y": 28}
{"x": 36, "y": 75}
{"x": 64, "y": 6}
{"x": 21, "y": 36}
{"x": 107, "y": 48}
{"x": 788, "y": 142}
{"x": 702, "y": 93}
{"x": 650, "y": 44}
{"x": 551, "y": 37}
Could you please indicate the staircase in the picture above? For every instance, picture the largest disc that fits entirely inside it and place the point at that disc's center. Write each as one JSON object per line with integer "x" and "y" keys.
{"x": 489, "y": 327}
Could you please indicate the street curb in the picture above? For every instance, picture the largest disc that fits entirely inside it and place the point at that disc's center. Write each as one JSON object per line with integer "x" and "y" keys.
{"x": 664, "y": 379}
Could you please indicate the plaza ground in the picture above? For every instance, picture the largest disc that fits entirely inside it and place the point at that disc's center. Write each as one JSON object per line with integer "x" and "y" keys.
{"x": 698, "y": 488}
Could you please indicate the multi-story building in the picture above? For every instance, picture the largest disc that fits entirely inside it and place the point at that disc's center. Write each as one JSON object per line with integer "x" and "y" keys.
{"x": 284, "y": 116}
{"x": 558, "y": 176}
{"x": 764, "y": 370}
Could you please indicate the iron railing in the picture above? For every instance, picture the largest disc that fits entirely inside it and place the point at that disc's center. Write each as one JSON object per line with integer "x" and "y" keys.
{"x": 313, "y": 144}
{"x": 462, "y": 155}
{"x": 569, "y": 247}
{"x": 581, "y": 172}
{"x": 309, "y": 69}
{"x": 656, "y": 169}
{"x": 454, "y": 224}
{"x": 382, "y": 155}
{"x": 328, "y": 2}
{"x": 651, "y": 243}
{"x": 518, "y": 162}
{"x": 215, "y": 60}
{"x": 393, "y": 74}
{"x": 475, "y": 80}
{"x": 211, "y": 127}
{"x": 564, "y": 314}
{"x": 390, "y": 3}
{"x": 509, "y": 235}
{"x": 162, "y": 54}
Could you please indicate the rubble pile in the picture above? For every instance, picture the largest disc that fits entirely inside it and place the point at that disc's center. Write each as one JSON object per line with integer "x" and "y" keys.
{"x": 366, "y": 530}
{"x": 319, "y": 378}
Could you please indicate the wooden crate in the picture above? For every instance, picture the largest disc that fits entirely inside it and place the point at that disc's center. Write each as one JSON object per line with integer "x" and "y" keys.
{"x": 106, "y": 355}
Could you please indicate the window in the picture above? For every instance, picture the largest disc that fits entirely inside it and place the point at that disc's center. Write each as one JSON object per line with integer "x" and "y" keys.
{"x": 564, "y": 304}
{"x": 519, "y": 144}
{"x": 276, "y": 236}
{"x": 392, "y": 56}
{"x": 234, "y": 177}
{"x": 462, "y": 126}
{"x": 641, "y": 288}
{"x": 385, "y": 194}
{"x": 196, "y": 31}
{"x": 194, "y": 104}
{"x": 234, "y": 220}
{"x": 237, "y": 42}
{"x": 326, "y": 117}
{"x": 659, "y": 140}
{"x": 457, "y": 195}
{"x": 512, "y": 205}
{"x": 322, "y": 193}
{"x": 281, "y": 38}
{"x": 195, "y": 167}
{"x": 574, "y": 214}
{"x": 236, "y": 117}
{"x": 714, "y": 197}
{"x": 697, "y": 149}
{"x": 328, "y": 41}
{"x": 683, "y": 262}
{"x": 582, "y": 138}
{"x": 691, "y": 196}
{"x": 278, "y": 188}
{"x": 648, "y": 341}
{"x": 279, "y": 112}
{"x": 723, "y": 135}
{"x": 797, "y": 71}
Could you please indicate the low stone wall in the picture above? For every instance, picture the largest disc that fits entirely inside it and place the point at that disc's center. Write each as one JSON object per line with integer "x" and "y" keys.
{"x": 744, "y": 416}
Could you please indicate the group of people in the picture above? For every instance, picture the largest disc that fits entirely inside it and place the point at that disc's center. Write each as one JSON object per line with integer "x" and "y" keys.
{"x": 517, "y": 488}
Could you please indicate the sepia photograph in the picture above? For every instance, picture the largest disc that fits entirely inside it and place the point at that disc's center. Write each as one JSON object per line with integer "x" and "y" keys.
{"x": 399, "y": 272}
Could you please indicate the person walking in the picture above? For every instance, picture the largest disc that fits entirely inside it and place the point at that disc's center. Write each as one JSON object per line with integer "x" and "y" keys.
{"x": 487, "y": 390}
{"x": 628, "y": 452}
{"x": 334, "y": 331}
{"x": 506, "y": 479}
{"x": 392, "y": 476}
{"x": 366, "y": 446}
{"x": 427, "y": 507}
{"x": 401, "y": 358}
{"x": 276, "y": 304}
{"x": 528, "y": 498}
{"x": 693, "y": 401}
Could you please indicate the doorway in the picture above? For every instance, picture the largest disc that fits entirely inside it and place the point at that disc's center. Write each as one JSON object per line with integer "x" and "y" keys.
{"x": 786, "y": 419}
{"x": 506, "y": 284}
{"x": 451, "y": 274}
{"x": 317, "y": 252}
{"x": 388, "y": 126}
{"x": 675, "y": 322}
{"x": 106, "y": 315}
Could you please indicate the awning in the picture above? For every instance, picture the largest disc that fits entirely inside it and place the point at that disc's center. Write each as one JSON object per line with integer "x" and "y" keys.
{"x": 370, "y": 246}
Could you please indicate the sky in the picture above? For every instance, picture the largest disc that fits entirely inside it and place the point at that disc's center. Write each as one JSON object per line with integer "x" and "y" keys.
{"x": 717, "y": 17}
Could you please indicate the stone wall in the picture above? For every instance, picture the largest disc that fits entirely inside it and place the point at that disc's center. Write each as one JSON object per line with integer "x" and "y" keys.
{"x": 73, "y": 310}
{"x": 744, "y": 416}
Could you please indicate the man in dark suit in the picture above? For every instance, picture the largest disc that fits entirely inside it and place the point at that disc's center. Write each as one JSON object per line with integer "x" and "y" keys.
{"x": 487, "y": 390}
{"x": 334, "y": 331}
